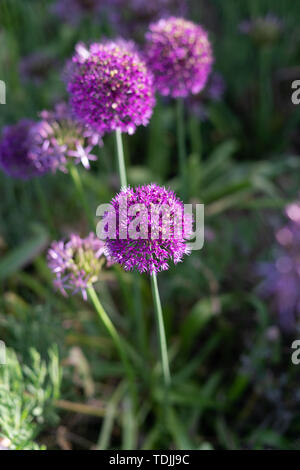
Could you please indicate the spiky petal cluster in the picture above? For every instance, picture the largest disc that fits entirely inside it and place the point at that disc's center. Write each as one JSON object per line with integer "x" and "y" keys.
{"x": 141, "y": 241}
{"x": 180, "y": 56}
{"x": 281, "y": 277}
{"x": 110, "y": 87}
{"x": 77, "y": 263}
{"x": 60, "y": 138}
{"x": 16, "y": 151}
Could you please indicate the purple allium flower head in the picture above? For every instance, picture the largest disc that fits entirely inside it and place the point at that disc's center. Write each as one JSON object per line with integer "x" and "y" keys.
{"x": 31, "y": 148}
{"x": 262, "y": 30}
{"x": 281, "y": 277}
{"x": 77, "y": 263}
{"x": 144, "y": 240}
{"x": 16, "y": 151}
{"x": 180, "y": 56}
{"x": 110, "y": 87}
{"x": 60, "y": 137}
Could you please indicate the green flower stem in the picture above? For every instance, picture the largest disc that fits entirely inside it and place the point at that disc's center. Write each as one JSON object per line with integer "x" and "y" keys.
{"x": 80, "y": 191}
{"x": 182, "y": 149}
{"x": 161, "y": 330}
{"x": 121, "y": 160}
{"x": 141, "y": 328}
{"x": 110, "y": 416}
{"x": 120, "y": 345}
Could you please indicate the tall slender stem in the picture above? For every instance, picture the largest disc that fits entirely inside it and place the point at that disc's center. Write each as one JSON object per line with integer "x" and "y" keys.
{"x": 141, "y": 328}
{"x": 121, "y": 160}
{"x": 80, "y": 191}
{"x": 181, "y": 148}
{"x": 115, "y": 337}
{"x": 161, "y": 330}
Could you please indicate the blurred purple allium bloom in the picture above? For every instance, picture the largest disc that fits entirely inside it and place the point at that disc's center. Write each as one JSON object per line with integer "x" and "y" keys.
{"x": 180, "y": 56}
{"x": 215, "y": 87}
{"x": 35, "y": 67}
{"x": 125, "y": 17}
{"x": 263, "y": 30}
{"x": 17, "y": 154}
{"x": 73, "y": 11}
{"x": 213, "y": 91}
{"x": 110, "y": 87}
{"x": 156, "y": 7}
{"x": 61, "y": 138}
{"x": 150, "y": 252}
{"x": 282, "y": 276}
{"x": 76, "y": 264}
{"x": 31, "y": 148}
{"x": 140, "y": 13}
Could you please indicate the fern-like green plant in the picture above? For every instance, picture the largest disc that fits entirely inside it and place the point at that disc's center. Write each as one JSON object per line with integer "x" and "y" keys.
{"x": 27, "y": 394}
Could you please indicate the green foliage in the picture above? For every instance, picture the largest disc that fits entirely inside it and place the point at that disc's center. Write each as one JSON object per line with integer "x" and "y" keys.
{"x": 27, "y": 393}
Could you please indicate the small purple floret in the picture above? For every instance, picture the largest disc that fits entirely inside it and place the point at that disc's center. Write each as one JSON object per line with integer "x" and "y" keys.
{"x": 61, "y": 138}
{"x": 77, "y": 263}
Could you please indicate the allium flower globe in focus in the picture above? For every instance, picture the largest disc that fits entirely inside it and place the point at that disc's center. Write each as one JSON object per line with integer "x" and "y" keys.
{"x": 153, "y": 243}
{"x": 77, "y": 263}
{"x": 179, "y": 55}
{"x": 110, "y": 87}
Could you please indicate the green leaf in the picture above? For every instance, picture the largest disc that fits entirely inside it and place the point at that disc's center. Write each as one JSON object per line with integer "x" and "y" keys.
{"x": 177, "y": 430}
{"x": 199, "y": 316}
{"x": 24, "y": 254}
{"x": 219, "y": 158}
